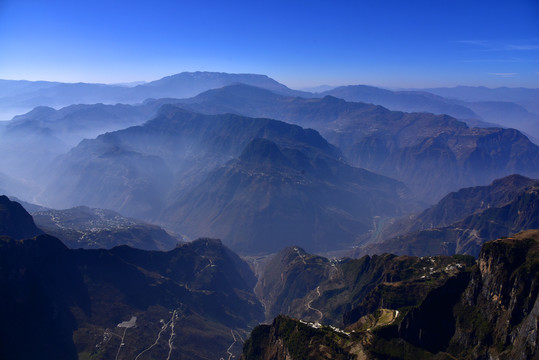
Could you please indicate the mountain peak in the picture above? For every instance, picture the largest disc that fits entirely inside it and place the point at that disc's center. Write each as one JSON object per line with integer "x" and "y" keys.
{"x": 15, "y": 222}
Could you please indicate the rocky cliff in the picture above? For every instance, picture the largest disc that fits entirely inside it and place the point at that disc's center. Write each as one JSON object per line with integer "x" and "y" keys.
{"x": 490, "y": 312}
{"x": 498, "y": 315}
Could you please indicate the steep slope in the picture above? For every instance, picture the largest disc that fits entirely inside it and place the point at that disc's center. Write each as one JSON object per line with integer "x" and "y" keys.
{"x": 30, "y": 207}
{"x": 431, "y": 154}
{"x": 82, "y": 227}
{"x": 15, "y": 222}
{"x": 31, "y": 141}
{"x": 133, "y": 170}
{"x": 497, "y": 315}
{"x": 241, "y": 179}
{"x": 508, "y": 206}
{"x": 341, "y": 292}
{"x": 122, "y": 303}
{"x": 458, "y": 205}
{"x": 489, "y": 312}
{"x": 57, "y": 303}
{"x": 271, "y": 197}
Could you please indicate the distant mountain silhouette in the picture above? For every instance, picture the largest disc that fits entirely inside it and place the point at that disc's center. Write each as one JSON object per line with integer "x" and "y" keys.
{"x": 31, "y": 141}
{"x": 17, "y": 97}
{"x": 511, "y": 107}
{"x": 72, "y": 123}
{"x": 522, "y": 96}
{"x": 408, "y": 101}
{"x": 509, "y": 115}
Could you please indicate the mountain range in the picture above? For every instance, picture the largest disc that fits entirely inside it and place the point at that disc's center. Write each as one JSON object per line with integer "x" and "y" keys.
{"x": 226, "y": 176}
{"x": 17, "y": 97}
{"x": 44, "y": 133}
{"x": 488, "y": 310}
{"x": 431, "y": 154}
{"x": 339, "y": 292}
{"x": 58, "y": 303}
{"x": 196, "y": 174}
{"x": 476, "y": 105}
{"x": 197, "y": 300}
{"x": 462, "y": 221}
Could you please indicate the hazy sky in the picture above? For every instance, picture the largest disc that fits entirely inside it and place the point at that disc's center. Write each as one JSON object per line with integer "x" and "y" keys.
{"x": 401, "y": 43}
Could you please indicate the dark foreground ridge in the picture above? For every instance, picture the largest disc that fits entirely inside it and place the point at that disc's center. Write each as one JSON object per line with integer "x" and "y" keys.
{"x": 122, "y": 303}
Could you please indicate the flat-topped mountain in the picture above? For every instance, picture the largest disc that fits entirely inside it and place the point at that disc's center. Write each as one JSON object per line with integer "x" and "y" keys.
{"x": 187, "y": 84}
{"x": 17, "y": 97}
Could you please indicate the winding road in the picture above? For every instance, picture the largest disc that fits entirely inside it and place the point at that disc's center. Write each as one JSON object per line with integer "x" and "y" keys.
{"x": 314, "y": 309}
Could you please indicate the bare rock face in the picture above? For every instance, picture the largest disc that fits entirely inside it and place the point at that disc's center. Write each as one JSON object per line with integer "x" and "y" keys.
{"x": 498, "y": 313}
{"x": 489, "y": 311}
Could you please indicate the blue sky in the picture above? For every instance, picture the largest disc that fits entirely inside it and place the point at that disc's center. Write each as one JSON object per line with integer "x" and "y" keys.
{"x": 297, "y": 42}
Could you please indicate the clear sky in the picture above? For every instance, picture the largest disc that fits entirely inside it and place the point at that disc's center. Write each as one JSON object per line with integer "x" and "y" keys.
{"x": 392, "y": 43}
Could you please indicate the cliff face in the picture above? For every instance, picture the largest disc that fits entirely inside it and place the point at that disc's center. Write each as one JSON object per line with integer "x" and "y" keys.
{"x": 490, "y": 312}
{"x": 340, "y": 292}
{"x": 498, "y": 315}
{"x": 288, "y": 339}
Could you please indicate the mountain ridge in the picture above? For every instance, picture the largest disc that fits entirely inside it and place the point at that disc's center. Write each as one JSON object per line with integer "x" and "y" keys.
{"x": 405, "y": 146}
{"x": 469, "y": 218}
{"x": 487, "y": 311}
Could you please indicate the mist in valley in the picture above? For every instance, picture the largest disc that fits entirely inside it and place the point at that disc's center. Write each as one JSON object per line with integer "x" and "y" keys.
{"x": 175, "y": 182}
